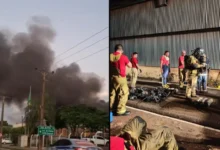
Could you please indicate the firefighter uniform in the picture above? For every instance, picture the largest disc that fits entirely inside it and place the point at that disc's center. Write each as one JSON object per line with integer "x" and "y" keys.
{"x": 134, "y": 76}
{"x": 119, "y": 90}
{"x": 194, "y": 64}
{"x": 134, "y": 71}
{"x": 182, "y": 77}
{"x": 141, "y": 139}
{"x": 192, "y": 78}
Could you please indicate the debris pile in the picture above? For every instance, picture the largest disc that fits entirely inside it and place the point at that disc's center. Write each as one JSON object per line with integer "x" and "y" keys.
{"x": 152, "y": 95}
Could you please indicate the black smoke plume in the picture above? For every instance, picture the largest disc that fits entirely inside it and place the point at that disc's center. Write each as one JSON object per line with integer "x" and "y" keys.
{"x": 23, "y": 52}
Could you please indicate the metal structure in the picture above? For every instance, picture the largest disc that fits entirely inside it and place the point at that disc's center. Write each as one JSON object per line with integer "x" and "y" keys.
{"x": 182, "y": 24}
{"x": 44, "y": 74}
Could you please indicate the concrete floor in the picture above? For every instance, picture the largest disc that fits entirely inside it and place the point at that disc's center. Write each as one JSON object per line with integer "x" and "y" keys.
{"x": 189, "y": 135}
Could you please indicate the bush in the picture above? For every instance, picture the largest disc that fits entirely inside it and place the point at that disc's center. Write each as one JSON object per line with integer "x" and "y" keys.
{"x": 15, "y": 133}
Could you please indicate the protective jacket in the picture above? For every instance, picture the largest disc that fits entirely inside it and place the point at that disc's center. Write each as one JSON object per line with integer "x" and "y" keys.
{"x": 192, "y": 65}
{"x": 114, "y": 69}
{"x": 141, "y": 139}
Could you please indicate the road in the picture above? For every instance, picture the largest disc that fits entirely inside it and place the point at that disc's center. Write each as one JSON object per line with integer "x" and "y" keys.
{"x": 8, "y": 147}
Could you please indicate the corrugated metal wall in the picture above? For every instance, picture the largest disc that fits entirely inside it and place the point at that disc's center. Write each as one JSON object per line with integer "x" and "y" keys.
{"x": 179, "y": 15}
{"x": 150, "y": 49}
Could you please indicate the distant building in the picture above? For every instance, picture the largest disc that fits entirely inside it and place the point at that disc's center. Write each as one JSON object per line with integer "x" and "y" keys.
{"x": 150, "y": 29}
{"x": 18, "y": 125}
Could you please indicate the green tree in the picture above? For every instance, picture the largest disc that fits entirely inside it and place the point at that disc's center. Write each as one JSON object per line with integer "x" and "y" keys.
{"x": 15, "y": 133}
{"x": 84, "y": 117}
{"x": 33, "y": 114}
{"x": 5, "y": 123}
{"x": 6, "y": 131}
{"x": 59, "y": 123}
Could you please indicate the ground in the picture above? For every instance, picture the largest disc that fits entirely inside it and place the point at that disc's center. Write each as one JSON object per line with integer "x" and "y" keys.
{"x": 187, "y": 134}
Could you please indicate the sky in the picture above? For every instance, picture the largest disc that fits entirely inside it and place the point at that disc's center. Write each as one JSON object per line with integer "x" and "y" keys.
{"x": 73, "y": 21}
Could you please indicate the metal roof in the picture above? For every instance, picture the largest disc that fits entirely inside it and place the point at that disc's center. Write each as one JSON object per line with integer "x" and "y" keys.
{"x": 115, "y": 4}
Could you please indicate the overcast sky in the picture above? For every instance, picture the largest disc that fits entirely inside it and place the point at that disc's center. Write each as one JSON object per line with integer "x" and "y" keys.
{"x": 74, "y": 21}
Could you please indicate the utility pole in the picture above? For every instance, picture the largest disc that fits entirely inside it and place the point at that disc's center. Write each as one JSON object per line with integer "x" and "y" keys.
{"x": 44, "y": 79}
{"x": 22, "y": 124}
{"x": 2, "y": 119}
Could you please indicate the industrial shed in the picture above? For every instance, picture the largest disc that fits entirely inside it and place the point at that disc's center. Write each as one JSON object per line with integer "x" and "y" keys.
{"x": 150, "y": 27}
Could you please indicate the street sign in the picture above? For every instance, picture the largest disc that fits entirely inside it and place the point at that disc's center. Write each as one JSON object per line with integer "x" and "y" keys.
{"x": 46, "y": 130}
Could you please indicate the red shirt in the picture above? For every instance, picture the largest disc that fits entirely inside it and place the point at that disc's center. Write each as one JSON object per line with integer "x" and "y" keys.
{"x": 121, "y": 64}
{"x": 165, "y": 60}
{"x": 117, "y": 143}
{"x": 181, "y": 65}
{"x": 134, "y": 62}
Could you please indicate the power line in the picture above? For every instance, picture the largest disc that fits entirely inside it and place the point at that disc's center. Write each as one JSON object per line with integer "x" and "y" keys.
{"x": 81, "y": 50}
{"x": 91, "y": 54}
{"x": 82, "y": 42}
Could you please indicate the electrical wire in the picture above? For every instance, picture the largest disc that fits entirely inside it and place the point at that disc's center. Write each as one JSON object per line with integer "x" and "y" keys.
{"x": 81, "y": 50}
{"x": 81, "y": 42}
{"x": 91, "y": 54}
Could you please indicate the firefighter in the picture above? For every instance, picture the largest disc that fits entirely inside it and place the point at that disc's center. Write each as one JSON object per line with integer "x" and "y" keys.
{"x": 134, "y": 70}
{"x": 135, "y": 134}
{"x": 182, "y": 71}
{"x": 119, "y": 90}
{"x": 193, "y": 65}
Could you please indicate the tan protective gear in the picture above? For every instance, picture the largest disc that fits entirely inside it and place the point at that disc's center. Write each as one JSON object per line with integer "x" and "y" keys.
{"x": 191, "y": 86}
{"x": 119, "y": 90}
{"x": 141, "y": 139}
{"x": 134, "y": 76}
{"x": 113, "y": 70}
{"x": 192, "y": 77}
{"x": 182, "y": 77}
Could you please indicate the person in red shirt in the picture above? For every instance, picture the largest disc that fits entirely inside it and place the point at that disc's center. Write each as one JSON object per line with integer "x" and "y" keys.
{"x": 164, "y": 66}
{"x": 119, "y": 90}
{"x": 118, "y": 143}
{"x": 134, "y": 70}
{"x": 182, "y": 71}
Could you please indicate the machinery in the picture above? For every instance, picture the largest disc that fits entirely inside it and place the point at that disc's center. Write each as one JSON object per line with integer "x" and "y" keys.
{"x": 152, "y": 95}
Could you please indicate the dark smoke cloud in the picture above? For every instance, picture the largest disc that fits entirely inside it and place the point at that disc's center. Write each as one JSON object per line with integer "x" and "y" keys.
{"x": 26, "y": 51}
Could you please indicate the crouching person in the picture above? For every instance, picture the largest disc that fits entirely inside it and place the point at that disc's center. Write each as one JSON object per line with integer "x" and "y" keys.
{"x": 135, "y": 134}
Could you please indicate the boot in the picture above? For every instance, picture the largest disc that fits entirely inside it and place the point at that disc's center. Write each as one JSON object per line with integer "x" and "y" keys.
{"x": 208, "y": 102}
{"x": 181, "y": 85}
{"x": 166, "y": 86}
{"x": 197, "y": 100}
{"x": 189, "y": 99}
{"x": 132, "y": 90}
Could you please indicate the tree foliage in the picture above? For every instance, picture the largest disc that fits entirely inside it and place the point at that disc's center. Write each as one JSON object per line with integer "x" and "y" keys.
{"x": 33, "y": 114}
{"x": 83, "y": 116}
{"x": 5, "y": 123}
{"x": 15, "y": 133}
{"x": 6, "y": 130}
